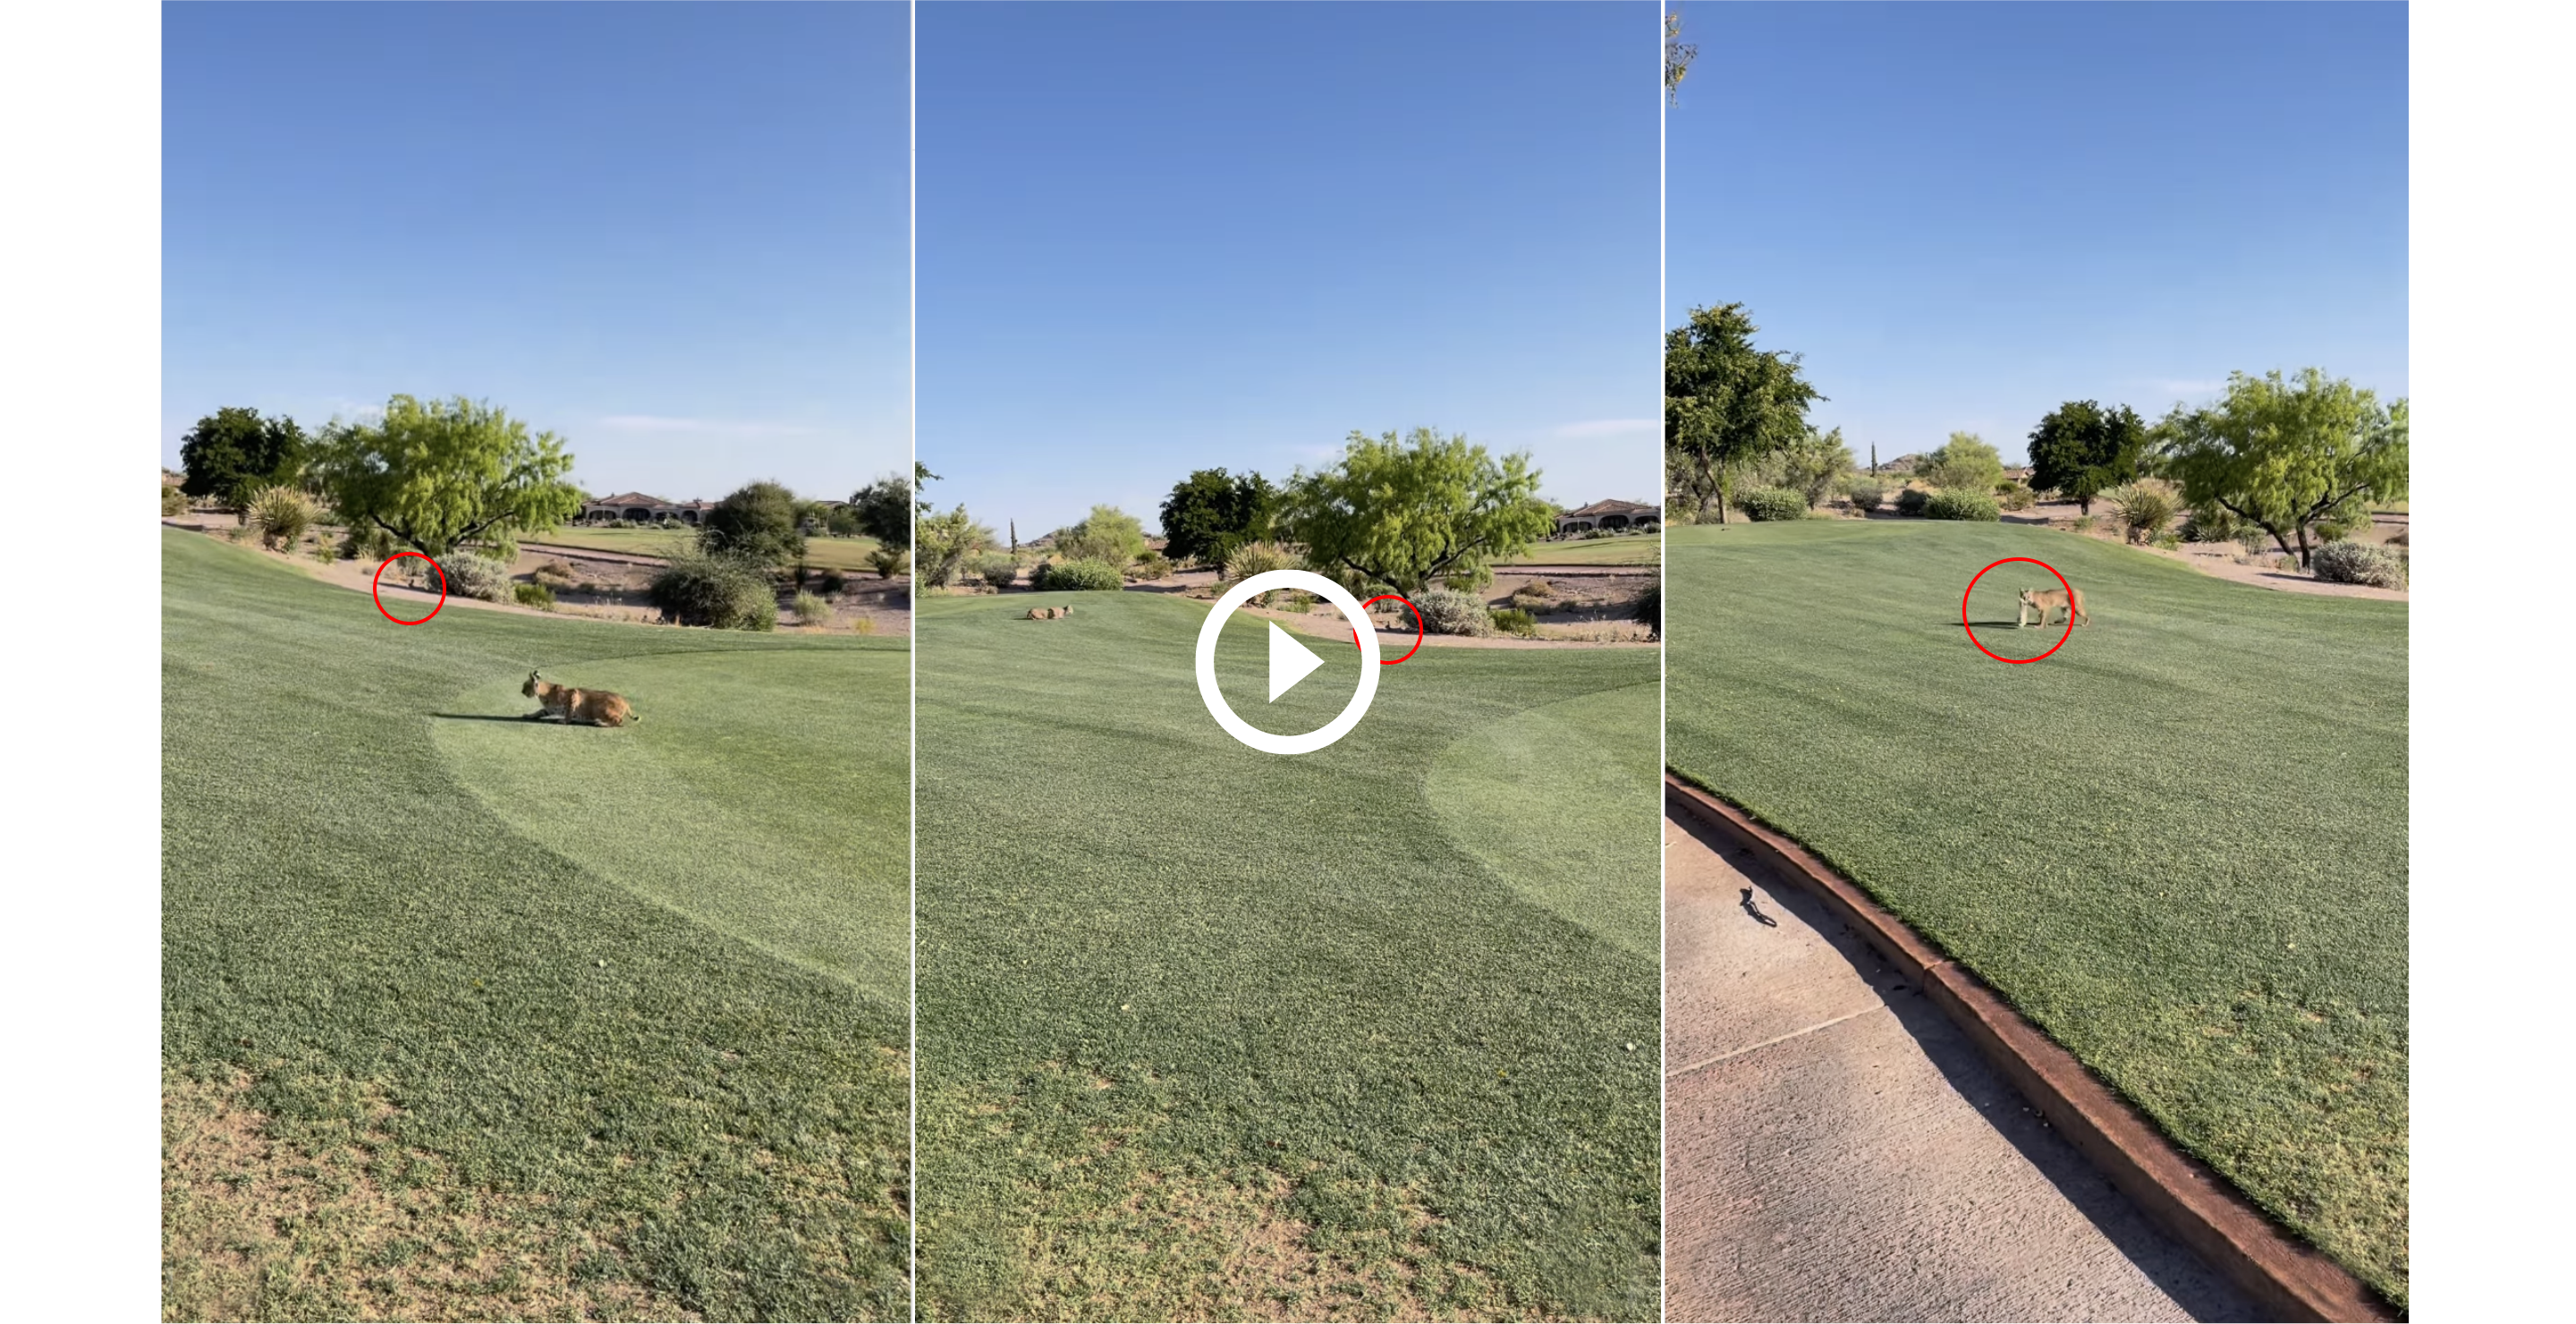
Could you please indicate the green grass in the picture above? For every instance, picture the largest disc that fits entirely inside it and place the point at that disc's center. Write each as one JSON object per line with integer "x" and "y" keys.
{"x": 2179, "y": 844}
{"x": 628, "y": 1000}
{"x": 1630, "y": 549}
{"x": 1213, "y": 1033}
{"x": 822, "y": 551}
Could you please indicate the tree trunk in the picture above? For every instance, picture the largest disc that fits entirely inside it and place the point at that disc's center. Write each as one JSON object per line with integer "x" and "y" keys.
{"x": 2303, "y": 547}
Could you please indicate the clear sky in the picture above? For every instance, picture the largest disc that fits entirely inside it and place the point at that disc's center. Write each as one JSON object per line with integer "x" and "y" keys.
{"x": 677, "y": 235}
{"x": 1156, "y": 238}
{"x": 1964, "y": 215}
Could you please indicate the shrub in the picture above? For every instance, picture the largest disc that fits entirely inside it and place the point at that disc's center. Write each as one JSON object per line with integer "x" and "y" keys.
{"x": 2331, "y": 530}
{"x": 2216, "y": 524}
{"x": 2349, "y": 562}
{"x": 2082, "y": 524}
{"x": 812, "y": 610}
{"x": 236, "y": 533}
{"x": 173, "y": 501}
{"x": 1512, "y": 620}
{"x": 998, "y": 572}
{"x": 1107, "y": 534}
{"x": 1151, "y": 566}
{"x": 554, "y": 574}
{"x": 534, "y": 595}
{"x": 2014, "y": 496}
{"x": 473, "y": 576}
{"x": 1446, "y": 611}
{"x": 2168, "y": 541}
{"x": 715, "y": 590}
{"x": 864, "y": 625}
{"x": 1912, "y": 501}
{"x": 1257, "y": 558}
{"x": 1962, "y": 505}
{"x": 1772, "y": 503}
{"x": 833, "y": 583}
{"x": 1080, "y": 576}
{"x": 1535, "y": 596}
{"x": 279, "y": 515}
{"x": 1649, "y": 610}
{"x": 2143, "y": 508}
{"x": 325, "y": 553}
{"x": 1866, "y": 497}
{"x": 888, "y": 562}
{"x": 374, "y": 545}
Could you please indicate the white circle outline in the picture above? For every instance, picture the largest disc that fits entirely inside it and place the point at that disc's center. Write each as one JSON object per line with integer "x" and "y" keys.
{"x": 1252, "y": 735}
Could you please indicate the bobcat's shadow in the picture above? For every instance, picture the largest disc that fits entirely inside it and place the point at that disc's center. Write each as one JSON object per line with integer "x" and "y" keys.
{"x": 488, "y": 717}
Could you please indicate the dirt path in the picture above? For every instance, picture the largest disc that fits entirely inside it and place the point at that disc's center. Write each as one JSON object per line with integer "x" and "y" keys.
{"x": 1836, "y": 1150}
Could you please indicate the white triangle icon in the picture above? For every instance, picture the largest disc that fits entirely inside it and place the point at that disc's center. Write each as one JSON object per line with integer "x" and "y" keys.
{"x": 1290, "y": 662}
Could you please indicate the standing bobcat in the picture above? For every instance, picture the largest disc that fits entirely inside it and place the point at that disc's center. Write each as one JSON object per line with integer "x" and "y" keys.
{"x": 2050, "y": 601}
{"x": 589, "y": 707}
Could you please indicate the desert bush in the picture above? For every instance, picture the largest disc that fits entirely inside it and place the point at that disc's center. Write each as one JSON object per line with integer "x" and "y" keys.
{"x": 534, "y": 595}
{"x": 1912, "y": 500}
{"x": 372, "y": 544}
{"x": 833, "y": 583}
{"x": 2349, "y": 562}
{"x": 2143, "y": 508}
{"x": 1961, "y": 504}
{"x": 715, "y": 590}
{"x": 888, "y": 562}
{"x": 1772, "y": 503}
{"x": 864, "y": 625}
{"x": 324, "y": 553}
{"x": 1648, "y": 610}
{"x": 1257, "y": 558}
{"x": 1446, "y": 611}
{"x": 1535, "y": 596}
{"x": 173, "y": 501}
{"x": 1474, "y": 579}
{"x": 2332, "y": 530}
{"x": 2083, "y": 524}
{"x": 279, "y": 515}
{"x": 473, "y": 576}
{"x": 1152, "y": 566}
{"x": 554, "y": 574}
{"x": 813, "y": 610}
{"x": 2169, "y": 541}
{"x": 1080, "y": 576}
{"x": 1107, "y": 534}
{"x": 1865, "y": 496}
{"x": 998, "y": 572}
{"x": 1512, "y": 620}
{"x": 2014, "y": 496}
{"x": 2216, "y": 524}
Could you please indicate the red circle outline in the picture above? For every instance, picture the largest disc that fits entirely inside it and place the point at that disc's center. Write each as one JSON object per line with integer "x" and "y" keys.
{"x": 378, "y": 586}
{"x": 2061, "y": 583}
{"x": 1417, "y": 626}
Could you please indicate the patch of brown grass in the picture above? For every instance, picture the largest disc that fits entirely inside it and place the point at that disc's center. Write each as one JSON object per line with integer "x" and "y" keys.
{"x": 346, "y": 1225}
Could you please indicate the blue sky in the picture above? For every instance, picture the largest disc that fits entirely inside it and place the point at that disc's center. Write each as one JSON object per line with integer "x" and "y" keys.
{"x": 1964, "y": 215}
{"x": 677, "y": 235}
{"x": 1156, "y": 238}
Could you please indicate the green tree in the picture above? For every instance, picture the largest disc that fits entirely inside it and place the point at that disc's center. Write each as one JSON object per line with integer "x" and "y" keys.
{"x": 1416, "y": 511}
{"x": 942, "y": 543}
{"x": 438, "y": 474}
{"x": 758, "y": 523}
{"x": 1106, "y": 534}
{"x": 1727, "y": 405}
{"x": 1964, "y": 464}
{"x": 2288, "y": 454}
{"x": 1211, "y": 512}
{"x": 2081, "y": 450}
{"x": 884, "y": 509}
{"x": 1810, "y": 465}
{"x": 233, "y": 452}
{"x": 1678, "y": 55}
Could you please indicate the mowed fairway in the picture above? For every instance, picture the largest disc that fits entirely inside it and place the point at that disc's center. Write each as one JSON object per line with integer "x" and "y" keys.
{"x": 1209, "y": 1033}
{"x": 2179, "y": 844}
{"x": 822, "y": 551}
{"x": 1636, "y": 549}
{"x": 466, "y": 1017}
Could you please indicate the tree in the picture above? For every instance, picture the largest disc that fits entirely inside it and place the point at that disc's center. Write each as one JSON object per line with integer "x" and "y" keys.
{"x": 1106, "y": 534}
{"x": 2081, "y": 450}
{"x": 1964, "y": 464}
{"x": 758, "y": 523}
{"x": 942, "y": 544}
{"x": 1809, "y": 465}
{"x": 1211, "y": 512}
{"x": 1678, "y": 55}
{"x": 442, "y": 473}
{"x": 233, "y": 452}
{"x": 1409, "y": 513}
{"x": 1728, "y": 405}
{"x": 884, "y": 509}
{"x": 2286, "y": 455}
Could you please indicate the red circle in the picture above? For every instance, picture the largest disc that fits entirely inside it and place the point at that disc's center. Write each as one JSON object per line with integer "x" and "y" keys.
{"x": 379, "y": 587}
{"x": 1417, "y": 625}
{"x": 2061, "y": 583}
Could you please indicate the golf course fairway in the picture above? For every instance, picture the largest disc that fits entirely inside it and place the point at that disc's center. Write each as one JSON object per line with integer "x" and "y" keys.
{"x": 1212, "y": 1033}
{"x": 529, "y": 1020}
{"x": 2179, "y": 845}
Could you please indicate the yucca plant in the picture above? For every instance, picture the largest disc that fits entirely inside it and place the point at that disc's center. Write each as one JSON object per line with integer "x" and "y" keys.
{"x": 2144, "y": 508}
{"x": 280, "y": 515}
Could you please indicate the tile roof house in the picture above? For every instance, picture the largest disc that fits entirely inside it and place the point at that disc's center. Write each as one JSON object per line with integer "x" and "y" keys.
{"x": 1609, "y": 515}
{"x": 638, "y": 506}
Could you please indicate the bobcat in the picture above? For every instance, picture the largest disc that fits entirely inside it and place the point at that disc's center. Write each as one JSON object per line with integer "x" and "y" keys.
{"x": 1047, "y": 613}
{"x": 589, "y": 707}
{"x": 2049, "y": 601}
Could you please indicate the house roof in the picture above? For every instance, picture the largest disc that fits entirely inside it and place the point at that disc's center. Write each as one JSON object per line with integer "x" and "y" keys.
{"x": 631, "y": 499}
{"x": 1613, "y": 508}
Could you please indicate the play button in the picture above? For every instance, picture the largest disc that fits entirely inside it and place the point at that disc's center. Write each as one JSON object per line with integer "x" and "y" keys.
{"x": 1290, "y": 662}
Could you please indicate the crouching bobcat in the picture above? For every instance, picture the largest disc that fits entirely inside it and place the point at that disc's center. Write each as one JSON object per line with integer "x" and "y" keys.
{"x": 1047, "y": 613}
{"x": 2070, "y": 597}
{"x": 589, "y": 707}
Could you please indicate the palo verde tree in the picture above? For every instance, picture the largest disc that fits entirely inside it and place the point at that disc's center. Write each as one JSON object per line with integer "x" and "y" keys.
{"x": 884, "y": 510}
{"x": 233, "y": 452}
{"x": 440, "y": 473}
{"x": 1964, "y": 463}
{"x": 757, "y": 523}
{"x": 1415, "y": 511}
{"x": 1728, "y": 405}
{"x": 1106, "y": 534}
{"x": 2286, "y": 454}
{"x": 1211, "y": 512}
{"x": 2081, "y": 450}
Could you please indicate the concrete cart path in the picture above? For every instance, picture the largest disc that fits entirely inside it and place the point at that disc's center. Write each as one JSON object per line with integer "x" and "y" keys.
{"x": 1836, "y": 1150}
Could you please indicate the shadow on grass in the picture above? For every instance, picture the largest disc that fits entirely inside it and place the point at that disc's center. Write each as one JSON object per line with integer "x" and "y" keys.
{"x": 490, "y": 717}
